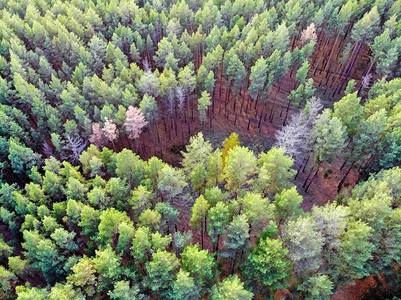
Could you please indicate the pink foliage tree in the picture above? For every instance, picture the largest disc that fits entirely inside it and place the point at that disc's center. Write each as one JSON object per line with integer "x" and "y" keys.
{"x": 110, "y": 131}
{"x": 134, "y": 122}
{"x": 97, "y": 137}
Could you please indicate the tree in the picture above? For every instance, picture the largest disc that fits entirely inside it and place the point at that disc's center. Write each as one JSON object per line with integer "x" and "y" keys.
{"x": 304, "y": 244}
{"x": 214, "y": 168}
{"x": 274, "y": 171}
{"x": 200, "y": 265}
{"x": 150, "y": 218}
{"x": 43, "y": 254}
{"x": 126, "y": 233}
{"x": 267, "y": 267}
{"x": 237, "y": 237}
{"x": 140, "y": 200}
{"x": 198, "y": 215}
{"x": 129, "y": 167}
{"x": 22, "y": 158}
{"x": 198, "y": 178}
{"x": 309, "y": 34}
{"x": 240, "y": 166}
{"x": 353, "y": 253}
{"x": 349, "y": 111}
{"x": 228, "y": 144}
{"x": 170, "y": 182}
{"x": 148, "y": 108}
{"x": 110, "y": 220}
{"x": 287, "y": 203}
{"x": 162, "y": 270}
{"x": 255, "y": 207}
{"x": 230, "y": 288}
{"x": 258, "y": 78}
{"x": 97, "y": 137}
{"x": 110, "y": 131}
{"x": 203, "y": 104}
{"x": 108, "y": 265}
{"x": 184, "y": 287}
{"x": 134, "y": 123}
{"x": 317, "y": 287}
{"x": 149, "y": 84}
{"x": 83, "y": 276}
{"x": 328, "y": 140}
{"x": 218, "y": 221}
{"x": 124, "y": 291}
{"x": 197, "y": 152}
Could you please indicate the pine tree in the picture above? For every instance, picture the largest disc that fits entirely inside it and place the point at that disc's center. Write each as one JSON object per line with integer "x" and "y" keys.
{"x": 203, "y": 104}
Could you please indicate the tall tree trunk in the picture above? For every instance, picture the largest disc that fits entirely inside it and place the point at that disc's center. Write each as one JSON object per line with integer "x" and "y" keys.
{"x": 321, "y": 55}
{"x": 344, "y": 178}
{"x": 350, "y": 68}
{"x": 314, "y": 175}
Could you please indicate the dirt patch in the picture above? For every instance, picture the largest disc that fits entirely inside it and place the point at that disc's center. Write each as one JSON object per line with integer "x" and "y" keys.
{"x": 355, "y": 291}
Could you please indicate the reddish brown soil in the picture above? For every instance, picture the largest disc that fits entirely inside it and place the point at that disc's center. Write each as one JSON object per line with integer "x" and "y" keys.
{"x": 355, "y": 291}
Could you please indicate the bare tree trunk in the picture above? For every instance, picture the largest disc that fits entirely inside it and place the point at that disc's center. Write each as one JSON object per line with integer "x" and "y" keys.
{"x": 314, "y": 175}
{"x": 321, "y": 55}
{"x": 350, "y": 68}
{"x": 344, "y": 178}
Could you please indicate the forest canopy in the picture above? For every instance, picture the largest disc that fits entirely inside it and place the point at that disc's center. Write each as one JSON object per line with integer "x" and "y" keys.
{"x": 236, "y": 149}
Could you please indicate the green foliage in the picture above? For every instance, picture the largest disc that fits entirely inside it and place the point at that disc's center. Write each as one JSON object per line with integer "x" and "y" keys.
{"x": 317, "y": 287}
{"x": 110, "y": 220}
{"x": 203, "y": 104}
{"x": 240, "y": 165}
{"x": 267, "y": 264}
{"x": 287, "y": 203}
{"x": 200, "y": 264}
{"x": 231, "y": 288}
{"x": 274, "y": 171}
{"x": 162, "y": 270}
{"x": 184, "y": 287}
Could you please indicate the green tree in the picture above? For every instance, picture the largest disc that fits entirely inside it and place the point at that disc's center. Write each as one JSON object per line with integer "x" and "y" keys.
{"x": 21, "y": 157}
{"x": 129, "y": 167}
{"x": 239, "y": 167}
{"x": 198, "y": 177}
{"x": 267, "y": 267}
{"x": 170, "y": 182}
{"x": 184, "y": 287}
{"x": 237, "y": 237}
{"x": 353, "y": 253}
{"x": 274, "y": 171}
{"x": 258, "y": 78}
{"x": 230, "y": 288}
{"x": 203, "y": 104}
{"x": 200, "y": 264}
{"x": 197, "y": 152}
{"x": 349, "y": 111}
{"x": 124, "y": 291}
{"x": 214, "y": 168}
{"x": 317, "y": 287}
{"x": 110, "y": 220}
{"x": 198, "y": 215}
{"x": 162, "y": 270}
{"x": 218, "y": 220}
{"x": 287, "y": 204}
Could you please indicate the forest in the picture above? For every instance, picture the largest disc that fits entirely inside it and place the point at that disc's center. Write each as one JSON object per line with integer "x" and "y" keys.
{"x": 200, "y": 149}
